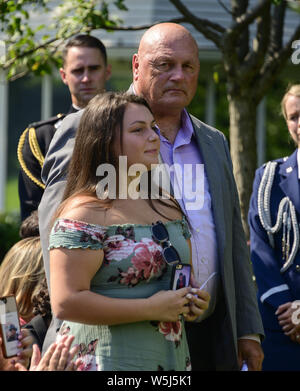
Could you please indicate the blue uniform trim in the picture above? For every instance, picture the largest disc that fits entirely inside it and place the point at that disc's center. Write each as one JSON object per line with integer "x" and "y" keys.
{"x": 276, "y": 289}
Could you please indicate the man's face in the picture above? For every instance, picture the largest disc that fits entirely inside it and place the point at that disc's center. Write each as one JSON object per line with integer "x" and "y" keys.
{"x": 166, "y": 74}
{"x": 292, "y": 109}
{"x": 85, "y": 73}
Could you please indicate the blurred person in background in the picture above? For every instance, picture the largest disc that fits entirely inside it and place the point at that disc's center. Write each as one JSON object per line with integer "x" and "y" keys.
{"x": 21, "y": 272}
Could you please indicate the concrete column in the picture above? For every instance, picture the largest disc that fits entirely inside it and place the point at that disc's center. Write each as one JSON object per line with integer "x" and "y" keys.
{"x": 46, "y": 105}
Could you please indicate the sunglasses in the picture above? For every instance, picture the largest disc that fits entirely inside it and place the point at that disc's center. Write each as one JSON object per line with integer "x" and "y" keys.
{"x": 160, "y": 235}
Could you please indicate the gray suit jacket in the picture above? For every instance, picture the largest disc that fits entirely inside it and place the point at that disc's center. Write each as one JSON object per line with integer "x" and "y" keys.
{"x": 241, "y": 315}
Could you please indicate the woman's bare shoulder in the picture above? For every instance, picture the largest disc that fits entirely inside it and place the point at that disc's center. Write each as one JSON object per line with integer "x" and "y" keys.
{"x": 84, "y": 208}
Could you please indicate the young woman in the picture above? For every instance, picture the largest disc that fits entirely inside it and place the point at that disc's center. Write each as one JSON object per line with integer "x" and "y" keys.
{"x": 109, "y": 271}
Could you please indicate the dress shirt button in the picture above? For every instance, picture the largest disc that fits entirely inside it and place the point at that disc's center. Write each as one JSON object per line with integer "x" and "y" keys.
{"x": 298, "y": 268}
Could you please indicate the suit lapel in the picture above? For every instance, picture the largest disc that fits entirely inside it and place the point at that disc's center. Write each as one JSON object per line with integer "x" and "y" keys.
{"x": 289, "y": 182}
{"x": 210, "y": 159}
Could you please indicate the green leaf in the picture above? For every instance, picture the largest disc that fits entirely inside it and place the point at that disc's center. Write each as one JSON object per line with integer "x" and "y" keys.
{"x": 120, "y": 4}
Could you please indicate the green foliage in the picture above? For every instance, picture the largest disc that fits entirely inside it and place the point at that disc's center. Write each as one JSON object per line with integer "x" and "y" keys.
{"x": 9, "y": 232}
{"x": 12, "y": 204}
{"x": 197, "y": 106}
{"x": 37, "y": 49}
{"x": 278, "y": 140}
{"x": 294, "y": 5}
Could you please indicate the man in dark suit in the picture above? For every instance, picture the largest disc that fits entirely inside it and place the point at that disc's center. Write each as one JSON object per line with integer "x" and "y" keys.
{"x": 165, "y": 72}
{"x": 85, "y": 71}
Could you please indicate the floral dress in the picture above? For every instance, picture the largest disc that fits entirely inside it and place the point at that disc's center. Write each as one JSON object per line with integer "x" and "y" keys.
{"x": 133, "y": 267}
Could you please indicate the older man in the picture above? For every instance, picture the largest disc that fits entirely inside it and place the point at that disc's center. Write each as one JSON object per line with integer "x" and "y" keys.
{"x": 165, "y": 72}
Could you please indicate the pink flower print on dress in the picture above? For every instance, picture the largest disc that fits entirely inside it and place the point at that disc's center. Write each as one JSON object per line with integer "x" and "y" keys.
{"x": 147, "y": 260}
{"x": 171, "y": 330}
{"x": 87, "y": 356}
{"x": 92, "y": 232}
{"x": 130, "y": 277}
{"x": 116, "y": 248}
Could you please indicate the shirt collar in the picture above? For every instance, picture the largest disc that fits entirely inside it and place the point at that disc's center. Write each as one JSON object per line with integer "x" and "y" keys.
{"x": 185, "y": 132}
{"x": 76, "y": 107}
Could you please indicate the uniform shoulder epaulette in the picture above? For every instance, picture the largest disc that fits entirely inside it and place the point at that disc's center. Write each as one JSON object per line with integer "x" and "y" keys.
{"x": 279, "y": 160}
{"x": 34, "y": 145}
{"x": 49, "y": 121}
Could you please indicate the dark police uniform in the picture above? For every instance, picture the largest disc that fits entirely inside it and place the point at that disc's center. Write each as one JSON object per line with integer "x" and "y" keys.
{"x": 278, "y": 281}
{"x": 32, "y": 148}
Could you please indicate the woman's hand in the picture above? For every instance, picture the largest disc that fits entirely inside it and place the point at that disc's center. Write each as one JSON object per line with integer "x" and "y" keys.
{"x": 198, "y": 300}
{"x": 23, "y": 356}
{"x": 25, "y": 346}
{"x": 287, "y": 315}
{"x": 294, "y": 334}
{"x": 58, "y": 357}
{"x": 284, "y": 315}
{"x": 198, "y": 303}
{"x": 167, "y": 306}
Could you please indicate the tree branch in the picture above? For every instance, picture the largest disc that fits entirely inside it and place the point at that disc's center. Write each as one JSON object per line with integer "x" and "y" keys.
{"x": 277, "y": 26}
{"x": 224, "y": 6}
{"x": 26, "y": 53}
{"x": 260, "y": 47}
{"x": 247, "y": 18}
{"x": 275, "y": 64}
{"x": 209, "y": 29}
{"x": 241, "y": 63}
{"x": 239, "y": 8}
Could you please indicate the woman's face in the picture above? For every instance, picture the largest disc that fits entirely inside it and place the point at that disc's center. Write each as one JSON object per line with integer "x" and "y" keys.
{"x": 292, "y": 109}
{"x": 140, "y": 141}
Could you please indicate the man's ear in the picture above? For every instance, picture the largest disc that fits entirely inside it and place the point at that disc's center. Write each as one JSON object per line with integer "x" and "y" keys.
{"x": 108, "y": 72}
{"x": 63, "y": 75}
{"x": 135, "y": 66}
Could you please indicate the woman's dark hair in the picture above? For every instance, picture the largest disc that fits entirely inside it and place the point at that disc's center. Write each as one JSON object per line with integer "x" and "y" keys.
{"x": 100, "y": 126}
{"x": 30, "y": 226}
{"x": 41, "y": 301}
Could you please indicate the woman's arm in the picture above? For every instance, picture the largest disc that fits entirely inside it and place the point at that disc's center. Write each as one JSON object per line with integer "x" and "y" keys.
{"x": 71, "y": 272}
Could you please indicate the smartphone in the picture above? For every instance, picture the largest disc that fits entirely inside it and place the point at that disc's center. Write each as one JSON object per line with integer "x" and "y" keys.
{"x": 181, "y": 275}
{"x": 9, "y": 326}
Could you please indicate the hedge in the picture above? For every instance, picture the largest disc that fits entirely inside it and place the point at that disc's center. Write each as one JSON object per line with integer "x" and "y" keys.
{"x": 9, "y": 232}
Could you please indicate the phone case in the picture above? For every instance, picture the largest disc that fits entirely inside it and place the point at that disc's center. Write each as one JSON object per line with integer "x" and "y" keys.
{"x": 181, "y": 274}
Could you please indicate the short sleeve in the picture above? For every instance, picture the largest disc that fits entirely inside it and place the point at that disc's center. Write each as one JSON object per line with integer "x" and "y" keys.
{"x": 72, "y": 234}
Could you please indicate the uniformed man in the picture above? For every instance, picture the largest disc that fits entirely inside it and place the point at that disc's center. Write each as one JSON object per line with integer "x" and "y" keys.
{"x": 85, "y": 72}
{"x": 274, "y": 216}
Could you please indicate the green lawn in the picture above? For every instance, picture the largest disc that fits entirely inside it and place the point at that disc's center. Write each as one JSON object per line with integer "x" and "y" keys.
{"x": 12, "y": 203}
